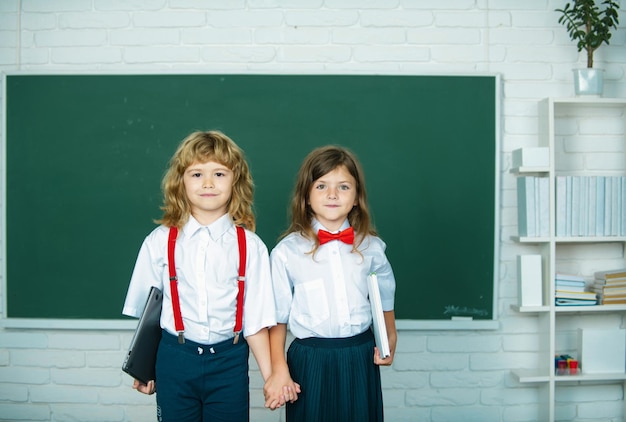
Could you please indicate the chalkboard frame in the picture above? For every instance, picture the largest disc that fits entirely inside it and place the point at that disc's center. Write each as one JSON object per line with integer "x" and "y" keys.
{"x": 84, "y": 323}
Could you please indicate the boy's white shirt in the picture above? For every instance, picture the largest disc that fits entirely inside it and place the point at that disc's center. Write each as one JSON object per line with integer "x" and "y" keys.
{"x": 207, "y": 261}
{"x": 326, "y": 295}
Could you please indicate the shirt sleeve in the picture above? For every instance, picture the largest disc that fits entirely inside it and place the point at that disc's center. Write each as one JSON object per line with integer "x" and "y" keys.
{"x": 384, "y": 274}
{"x": 282, "y": 286}
{"x": 259, "y": 309}
{"x": 145, "y": 275}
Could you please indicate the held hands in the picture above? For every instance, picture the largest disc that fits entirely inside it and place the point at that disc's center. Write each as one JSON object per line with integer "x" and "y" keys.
{"x": 148, "y": 389}
{"x": 280, "y": 389}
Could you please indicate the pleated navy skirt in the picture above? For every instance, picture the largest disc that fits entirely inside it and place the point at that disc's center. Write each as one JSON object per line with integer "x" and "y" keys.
{"x": 338, "y": 378}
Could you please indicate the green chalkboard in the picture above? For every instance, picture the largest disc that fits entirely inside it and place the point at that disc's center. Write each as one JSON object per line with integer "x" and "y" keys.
{"x": 85, "y": 155}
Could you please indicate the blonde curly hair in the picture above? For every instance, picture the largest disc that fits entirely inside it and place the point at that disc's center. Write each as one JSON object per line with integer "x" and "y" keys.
{"x": 202, "y": 147}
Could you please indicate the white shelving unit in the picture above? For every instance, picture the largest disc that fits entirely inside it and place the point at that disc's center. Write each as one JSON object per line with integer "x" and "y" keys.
{"x": 566, "y": 127}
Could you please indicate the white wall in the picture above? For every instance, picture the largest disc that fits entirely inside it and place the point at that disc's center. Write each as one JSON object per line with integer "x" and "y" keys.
{"x": 74, "y": 375}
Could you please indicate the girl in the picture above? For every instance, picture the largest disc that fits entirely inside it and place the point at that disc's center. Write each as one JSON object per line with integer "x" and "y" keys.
{"x": 202, "y": 366}
{"x": 320, "y": 289}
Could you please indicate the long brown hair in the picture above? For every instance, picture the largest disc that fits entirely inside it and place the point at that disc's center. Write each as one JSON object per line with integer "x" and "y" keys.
{"x": 319, "y": 162}
{"x": 202, "y": 147}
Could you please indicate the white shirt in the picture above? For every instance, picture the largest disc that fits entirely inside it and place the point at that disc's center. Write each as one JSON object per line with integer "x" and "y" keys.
{"x": 325, "y": 295}
{"x": 207, "y": 262}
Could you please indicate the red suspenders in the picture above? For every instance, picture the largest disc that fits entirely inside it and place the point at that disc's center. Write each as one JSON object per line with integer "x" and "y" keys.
{"x": 178, "y": 318}
{"x": 241, "y": 240}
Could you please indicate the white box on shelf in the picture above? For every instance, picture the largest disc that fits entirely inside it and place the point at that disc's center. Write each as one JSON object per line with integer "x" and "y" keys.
{"x": 529, "y": 280}
{"x": 602, "y": 351}
{"x": 531, "y": 157}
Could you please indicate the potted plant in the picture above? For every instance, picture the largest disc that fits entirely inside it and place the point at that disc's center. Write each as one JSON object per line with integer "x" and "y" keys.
{"x": 589, "y": 25}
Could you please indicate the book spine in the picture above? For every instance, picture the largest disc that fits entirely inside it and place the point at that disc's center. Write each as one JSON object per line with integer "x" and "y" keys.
{"x": 608, "y": 204}
{"x": 526, "y": 206}
{"x": 561, "y": 205}
{"x": 576, "y": 203}
{"x": 544, "y": 207}
{"x": 600, "y": 206}
{"x": 591, "y": 206}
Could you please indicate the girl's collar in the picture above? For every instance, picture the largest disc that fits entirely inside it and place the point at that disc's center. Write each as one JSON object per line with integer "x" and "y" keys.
{"x": 317, "y": 226}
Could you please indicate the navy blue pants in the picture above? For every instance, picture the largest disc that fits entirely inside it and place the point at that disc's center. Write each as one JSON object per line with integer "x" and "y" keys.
{"x": 197, "y": 382}
{"x": 339, "y": 380}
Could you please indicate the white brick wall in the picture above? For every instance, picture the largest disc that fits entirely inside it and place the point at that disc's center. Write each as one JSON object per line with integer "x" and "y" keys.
{"x": 74, "y": 375}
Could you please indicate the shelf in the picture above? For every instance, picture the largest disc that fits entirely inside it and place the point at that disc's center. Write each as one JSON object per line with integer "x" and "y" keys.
{"x": 529, "y": 375}
{"x": 588, "y": 308}
{"x": 571, "y": 129}
{"x": 534, "y": 376}
{"x": 530, "y": 170}
{"x": 590, "y": 239}
{"x": 578, "y": 239}
{"x": 591, "y": 377}
{"x": 600, "y": 101}
{"x": 526, "y": 239}
{"x": 530, "y": 309}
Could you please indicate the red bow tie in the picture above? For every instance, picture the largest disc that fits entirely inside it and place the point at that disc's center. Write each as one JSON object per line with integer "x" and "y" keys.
{"x": 346, "y": 236}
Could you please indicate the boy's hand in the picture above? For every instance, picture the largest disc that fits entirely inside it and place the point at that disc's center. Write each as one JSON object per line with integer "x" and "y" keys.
{"x": 279, "y": 390}
{"x": 149, "y": 388}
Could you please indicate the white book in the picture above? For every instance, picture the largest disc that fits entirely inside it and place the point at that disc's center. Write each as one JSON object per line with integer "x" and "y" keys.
{"x": 608, "y": 202}
{"x": 623, "y": 209}
{"x": 615, "y": 217}
{"x": 576, "y": 202}
{"x": 616, "y": 224}
{"x": 529, "y": 292}
{"x": 568, "y": 206}
{"x": 537, "y": 205}
{"x": 544, "y": 207}
{"x": 584, "y": 207}
{"x": 566, "y": 286}
{"x": 526, "y": 206}
{"x": 569, "y": 277}
{"x": 561, "y": 205}
{"x": 378, "y": 318}
{"x": 591, "y": 204}
{"x": 600, "y": 206}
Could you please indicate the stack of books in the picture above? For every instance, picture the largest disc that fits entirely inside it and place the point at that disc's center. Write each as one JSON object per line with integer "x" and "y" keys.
{"x": 572, "y": 290}
{"x": 533, "y": 199}
{"x": 590, "y": 205}
{"x": 610, "y": 286}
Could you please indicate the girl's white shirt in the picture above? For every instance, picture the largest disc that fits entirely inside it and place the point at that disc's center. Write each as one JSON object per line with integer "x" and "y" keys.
{"x": 207, "y": 262}
{"x": 325, "y": 295}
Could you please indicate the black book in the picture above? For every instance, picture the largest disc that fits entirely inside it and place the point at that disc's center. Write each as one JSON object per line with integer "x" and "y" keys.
{"x": 141, "y": 357}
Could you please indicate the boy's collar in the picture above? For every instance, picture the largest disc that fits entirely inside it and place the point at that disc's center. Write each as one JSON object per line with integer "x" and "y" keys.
{"x": 216, "y": 229}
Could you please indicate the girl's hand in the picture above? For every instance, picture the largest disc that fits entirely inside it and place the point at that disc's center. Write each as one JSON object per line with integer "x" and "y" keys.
{"x": 392, "y": 336}
{"x": 382, "y": 362}
{"x": 148, "y": 389}
{"x": 280, "y": 389}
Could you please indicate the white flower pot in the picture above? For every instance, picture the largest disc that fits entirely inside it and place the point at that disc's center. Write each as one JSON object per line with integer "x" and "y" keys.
{"x": 588, "y": 81}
